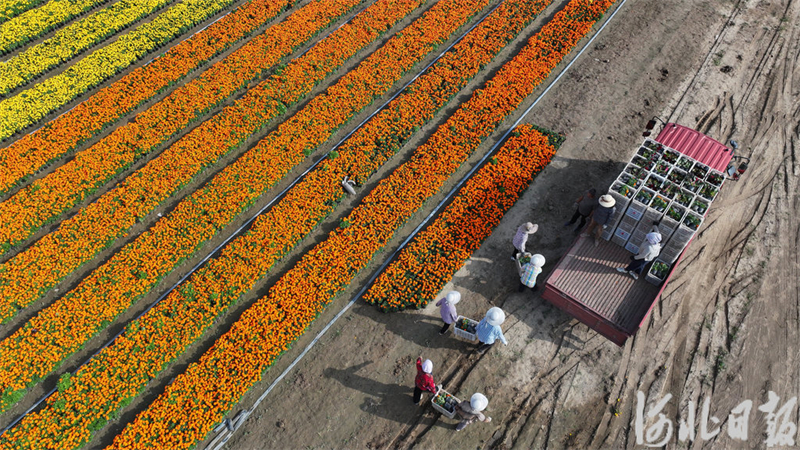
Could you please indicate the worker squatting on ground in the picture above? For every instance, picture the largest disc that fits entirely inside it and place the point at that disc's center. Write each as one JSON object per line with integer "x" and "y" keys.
{"x": 601, "y": 216}
{"x": 470, "y": 411}
{"x": 447, "y": 308}
{"x": 584, "y": 206}
{"x": 521, "y": 238}
{"x": 488, "y": 329}
{"x": 529, "y": 267}
{"x": 648, "y": 251}
{"x": 424, "y": 380}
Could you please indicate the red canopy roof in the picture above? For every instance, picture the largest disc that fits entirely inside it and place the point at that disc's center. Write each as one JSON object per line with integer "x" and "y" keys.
{"x": 696, "y": 145}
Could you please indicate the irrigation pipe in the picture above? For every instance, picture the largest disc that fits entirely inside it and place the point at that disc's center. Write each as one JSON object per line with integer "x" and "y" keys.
{"x": 241, "y": 417}
{"x": 255, "y": 216}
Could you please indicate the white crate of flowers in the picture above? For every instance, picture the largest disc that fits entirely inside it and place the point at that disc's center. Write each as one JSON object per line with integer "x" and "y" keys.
{"x": 465, "y": 328}
{"x": 445, "y": 403}
{"x": 658, "y": 272}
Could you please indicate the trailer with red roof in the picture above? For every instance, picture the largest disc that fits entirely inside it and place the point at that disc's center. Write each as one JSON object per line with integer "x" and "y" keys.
{"x": 658, "y": 186}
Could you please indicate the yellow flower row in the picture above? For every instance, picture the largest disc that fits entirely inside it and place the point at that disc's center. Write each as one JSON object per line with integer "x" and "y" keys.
{"x": 33, "y": 104}
{"x": 12, "y": 8}
{"x": 36, "y": 22}
{"x": 72, "y": 40}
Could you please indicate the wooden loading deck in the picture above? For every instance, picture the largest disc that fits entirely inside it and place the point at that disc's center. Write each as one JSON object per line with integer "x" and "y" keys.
{"x": 586, "y": 284}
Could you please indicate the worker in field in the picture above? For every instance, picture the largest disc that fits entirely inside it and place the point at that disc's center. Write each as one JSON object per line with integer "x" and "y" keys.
{"x": 601, "y": 217}
{"x": 521, "y": 238}
{"x": 584, "y": 206}
{"x": 424, "y": 380}
{"x": 472, "y": 410}
{"x": 648, "y": 251}
{"x": 447, "y": 309}
{"x": 529, "y": 266}
{"x": 488, "y": 329}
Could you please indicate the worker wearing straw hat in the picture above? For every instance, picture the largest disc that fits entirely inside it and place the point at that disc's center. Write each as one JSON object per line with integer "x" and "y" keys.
{"x": 601, "y": 217}
{"x": 521, "y": 238}
{"x": 472, "y": 410}
{"x": 488, "y": 329}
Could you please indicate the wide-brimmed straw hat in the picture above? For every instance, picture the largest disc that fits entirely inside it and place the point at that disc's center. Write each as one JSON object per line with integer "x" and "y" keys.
{"x": 606, "y": 201}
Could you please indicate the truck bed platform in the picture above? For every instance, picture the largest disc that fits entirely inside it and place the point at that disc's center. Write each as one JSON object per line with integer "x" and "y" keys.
{"x": 587, "y": 275}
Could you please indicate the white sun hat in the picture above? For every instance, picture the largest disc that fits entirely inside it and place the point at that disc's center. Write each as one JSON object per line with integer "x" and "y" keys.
{"x": 453, "y": 297}
{"x": 478, "y": 402}
{"x": 495, "y": 316}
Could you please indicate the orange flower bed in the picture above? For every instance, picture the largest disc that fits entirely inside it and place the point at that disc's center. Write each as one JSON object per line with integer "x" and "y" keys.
{"x": 30, "y": 274}
{"x": 197, "y": 399}
{"x": 432, "y": 258}
{"x": 44, "y": 200}
{"x": 64, "y": 133}
{"x": 32, "y": 352}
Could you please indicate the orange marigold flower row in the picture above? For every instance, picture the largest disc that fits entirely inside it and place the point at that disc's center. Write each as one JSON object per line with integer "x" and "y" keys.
{"x": 434, "y": 255}
{"x": 46, "y": 199}
{"x": 30, "y": 274}
{"x": 198, "y": 399}
{"x": 62, "y": 135}
{"x": 222, "y": 280}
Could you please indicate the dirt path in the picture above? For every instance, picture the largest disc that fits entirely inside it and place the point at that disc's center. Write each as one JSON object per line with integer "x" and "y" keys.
{"x": 726, "y": 327}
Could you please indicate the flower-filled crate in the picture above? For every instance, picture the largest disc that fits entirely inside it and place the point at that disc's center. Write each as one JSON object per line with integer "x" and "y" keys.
{"x": 653, "y": 145}
{"x": 699, "y": 206}
{"x": 669, "y": 190}
{"x": 673, "y": 216}
{"x": 709, "y": 191}
{"x": 676, "y": 176}
{"x": 660, "y": 203}
{"x": 692, "y": 221}
{"x": 465, "y": 328}
{"x": 644, "y": 163}
{"x": 693, "y": 184}
{"x": 685, "y": 163}
{"x": 658, "y": 272}
{"x": 715, "y": 178}
{"x": 662, "y": 168}
{"x": 622, "y": 193}
{"x": 699, "y": 170}
{"x": 653, "y": 182}
{"x": 445, "y": 403}
{"x": 636, "y": 172}
{"x": 684, "y": 198}
{"x": 648, "y": 153}
{"x": 644, "y": 197}
{"x": 670, "y": 156}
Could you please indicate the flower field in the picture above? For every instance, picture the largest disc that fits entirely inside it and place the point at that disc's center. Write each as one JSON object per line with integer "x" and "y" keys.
{"x": 207, "y": 130}
{"x": 431, "y": 259}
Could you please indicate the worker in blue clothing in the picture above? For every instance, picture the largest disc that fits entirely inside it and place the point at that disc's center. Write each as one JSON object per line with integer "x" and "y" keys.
{"x": 488, "y": 329}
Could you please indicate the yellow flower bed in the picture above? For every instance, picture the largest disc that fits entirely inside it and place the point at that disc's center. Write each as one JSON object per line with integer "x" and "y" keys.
{"x": 72, "y": 40}
{"x": 33, "y": 104}
{"x": 36, "y": 22}
{"x": 12, "y": 8}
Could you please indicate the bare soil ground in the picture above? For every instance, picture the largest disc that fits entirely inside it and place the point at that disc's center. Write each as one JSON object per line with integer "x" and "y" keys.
{"x": 726, "y": 327}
